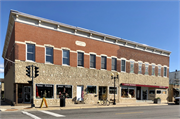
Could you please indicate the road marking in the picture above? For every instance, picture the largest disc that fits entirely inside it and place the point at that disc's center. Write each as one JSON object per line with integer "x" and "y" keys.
{"x": 53, "y": 114}
{"x": 31, "y": 115}
{"x": 129, "y": 113}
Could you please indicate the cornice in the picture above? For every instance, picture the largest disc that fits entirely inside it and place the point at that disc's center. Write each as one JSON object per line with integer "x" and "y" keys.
{"x": 61, "y": 27}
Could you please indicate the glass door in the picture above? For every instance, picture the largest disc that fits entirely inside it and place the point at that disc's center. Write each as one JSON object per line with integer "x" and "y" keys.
{"x": 27, "y": 94}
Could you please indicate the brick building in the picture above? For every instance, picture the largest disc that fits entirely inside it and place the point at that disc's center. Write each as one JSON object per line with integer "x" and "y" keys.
{"x": 80, "y": 60}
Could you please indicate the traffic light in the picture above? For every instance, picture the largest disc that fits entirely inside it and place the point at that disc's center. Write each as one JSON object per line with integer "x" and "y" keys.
{"x": 36, "y": 71}
{"x": 28, "y": 70}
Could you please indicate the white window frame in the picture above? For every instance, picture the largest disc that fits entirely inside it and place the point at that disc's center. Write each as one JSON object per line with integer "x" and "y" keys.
{"x": 159, "y": 69}
{"x": 115, "y": 63}
{"x": 113, "y": 87}
{"x": 52, "y": 55}
{"x": 105, "y": 62}
{"x": 90, "y": 61}
{"x": 147, "y": 66}
{"x": 153, "y": 66}
{"x": 166, "y": 72}
{"x": 34, "y": 52}
{"x": 91, "y": 93}
{"x": 64, "y": 85}
{"x": 77, "y": 58}
{"x": 140, "y": 65}
{"x": 132, "y": 62}
{"x": 62, "y": 57}
{"x": 124, "y": 64}
{"x": 46, "y": 84}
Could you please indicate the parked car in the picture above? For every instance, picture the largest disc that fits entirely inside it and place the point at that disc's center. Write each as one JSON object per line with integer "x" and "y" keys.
{"x": 177, "y": 100}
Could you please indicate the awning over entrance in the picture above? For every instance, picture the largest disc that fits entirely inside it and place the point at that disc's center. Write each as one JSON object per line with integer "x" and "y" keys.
{"x": 127, "y": 84}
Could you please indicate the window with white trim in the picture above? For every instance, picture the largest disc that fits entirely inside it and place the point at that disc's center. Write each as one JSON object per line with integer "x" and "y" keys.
{"x": 159, "y": 70}
{"x": 91, "y": 89}
{"x": 114, "y": 61}
{"x": 81, "y": 59}
{"x": 139, "y": 68}
{"x": 66, "y": 57}
{"x": 146, "y": 69}
{"x": 103, "y": 62}
{"x": 131, "y": 66}
{"x": 64, "y": 91}
{"x": 31, "y": 52}
{"x": 111, "y": 90}
{"x": 128, "y": 92}
{"x": 123, "y": 65}
{"x": 49, "y": 55}
{"x": 92, "y": 61}
{"x": 153, "y": 70}
{"x": 165, "y": 71}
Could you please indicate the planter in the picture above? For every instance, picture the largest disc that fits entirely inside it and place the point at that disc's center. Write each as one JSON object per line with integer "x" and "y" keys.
{"x": 157, "y": 101}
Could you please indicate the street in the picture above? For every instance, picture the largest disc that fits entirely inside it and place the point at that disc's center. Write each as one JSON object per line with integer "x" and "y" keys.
{"x": 140, "y": 112}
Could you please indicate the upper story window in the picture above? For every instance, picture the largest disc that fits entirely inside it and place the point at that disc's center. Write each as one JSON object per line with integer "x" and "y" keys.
{"x": 103, "y": 62}
{"x": 140, "y": 68}
{"x": 81, "y": 59}
{"x": 49, "y": 54}
{"x": 153, "y": 70}
{"x": 159, "y": 70}
{"x": 131, "y": 66}
{"x": 123, "y": 65}
{"x": 30, "y": 52}
{"x": 66, "y": 57}
{"x": 165, "y": 71}
{"x": 146, "y": 69}
{"x": 92, "y": 61}
{"x": 114, "y": 62}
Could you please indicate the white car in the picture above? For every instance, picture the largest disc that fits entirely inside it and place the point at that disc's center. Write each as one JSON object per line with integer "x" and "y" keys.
{"x": 177, "y": 100}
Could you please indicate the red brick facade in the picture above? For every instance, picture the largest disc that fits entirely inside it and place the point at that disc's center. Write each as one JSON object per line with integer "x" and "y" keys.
{"x": 41, "y": 36}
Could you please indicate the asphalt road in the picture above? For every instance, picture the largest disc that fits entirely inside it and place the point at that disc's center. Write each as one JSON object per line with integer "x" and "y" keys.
{"x": 141, "y": 112}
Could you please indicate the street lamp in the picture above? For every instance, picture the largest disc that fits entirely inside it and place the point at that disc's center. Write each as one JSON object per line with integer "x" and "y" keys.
{"x": 113, "y": 77}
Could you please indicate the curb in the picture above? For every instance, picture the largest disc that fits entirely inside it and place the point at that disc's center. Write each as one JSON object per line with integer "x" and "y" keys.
{"x": 67, "y": 108}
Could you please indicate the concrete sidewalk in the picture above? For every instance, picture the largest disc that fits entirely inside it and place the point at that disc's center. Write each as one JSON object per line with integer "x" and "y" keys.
{"x": 77, "y": 106}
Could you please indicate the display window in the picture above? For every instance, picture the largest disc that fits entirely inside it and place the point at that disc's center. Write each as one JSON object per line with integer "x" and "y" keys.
{"x": 128, "y": 92}
{"x": 44, "y": 90}
{"x": 64, "y": 91}
{"x": 111, "y": 90}
{"x": 91, "y": 89}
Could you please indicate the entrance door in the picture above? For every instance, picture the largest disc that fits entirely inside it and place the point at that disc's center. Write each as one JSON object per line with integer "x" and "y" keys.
{"x": 27, "y": 94}
{"x": 102, "y": 92}
{"x": 144, "y": 92}
{"x": 79, "y": 93}
{"x": 138, "y": 93}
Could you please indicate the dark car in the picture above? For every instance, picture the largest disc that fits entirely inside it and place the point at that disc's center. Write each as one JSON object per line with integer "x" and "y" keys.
{"x": 177, "y": 100}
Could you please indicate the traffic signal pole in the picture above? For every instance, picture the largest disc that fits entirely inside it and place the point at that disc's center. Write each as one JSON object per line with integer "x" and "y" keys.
{"x": 32, "y": 104}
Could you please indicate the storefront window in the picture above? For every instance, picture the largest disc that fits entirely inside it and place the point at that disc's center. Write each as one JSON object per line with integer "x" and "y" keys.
{"x": 91, "y": 89}
{"x": 111, "y": 90}
{"x": 158, "y": 91}
{"x": 44, "y": 90}
{"x": 151, "y": 91}
{"x": 127, "y": 92}
{"x": 64, "y": 90}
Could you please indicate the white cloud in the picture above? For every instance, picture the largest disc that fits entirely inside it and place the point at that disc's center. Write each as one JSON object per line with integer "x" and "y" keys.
{"x": 1, "y": 70}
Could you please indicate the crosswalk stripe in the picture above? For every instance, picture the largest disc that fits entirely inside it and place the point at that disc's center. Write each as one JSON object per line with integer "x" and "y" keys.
{"x": 31, "y": 115}
{"x": 53, "y": 114}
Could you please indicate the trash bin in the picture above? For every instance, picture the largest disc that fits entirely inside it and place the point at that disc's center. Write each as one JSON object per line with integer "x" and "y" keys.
{"x": 62, "y": 102}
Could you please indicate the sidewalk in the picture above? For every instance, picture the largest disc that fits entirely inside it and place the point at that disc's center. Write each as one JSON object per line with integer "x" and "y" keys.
{"x": 77, "y": 106}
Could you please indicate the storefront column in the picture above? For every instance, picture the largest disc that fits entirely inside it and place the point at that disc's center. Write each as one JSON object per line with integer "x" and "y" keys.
{"x": 16, "y": 93}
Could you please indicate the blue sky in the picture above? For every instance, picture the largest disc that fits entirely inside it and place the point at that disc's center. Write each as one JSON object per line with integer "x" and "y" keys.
{"x": 155, "y": 23}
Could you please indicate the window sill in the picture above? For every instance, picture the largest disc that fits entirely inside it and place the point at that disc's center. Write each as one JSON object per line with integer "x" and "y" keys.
{"x": 140, "y": 74}
{"x": 123, "y": 71}
{"x": 114, "y": 70}
{"x": 92, "y": 68}
{"x": 30, "y": 61}
{"x": 66, "y": 65}
{"x": 103, "y": 69}
{"x": 80, "y": 67}
{"x": 49, "y": 63}
{"x": 131, "y": 72}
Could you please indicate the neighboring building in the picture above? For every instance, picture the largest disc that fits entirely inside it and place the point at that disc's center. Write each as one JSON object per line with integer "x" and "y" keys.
{"x": 2, "y": 88}
{"x": 174, "y": 85}
{"x": 82, "y": 61}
